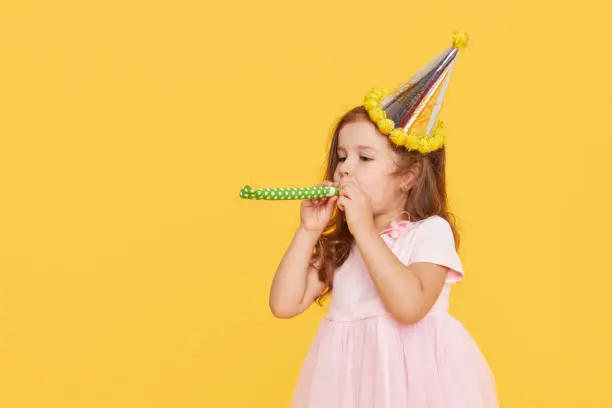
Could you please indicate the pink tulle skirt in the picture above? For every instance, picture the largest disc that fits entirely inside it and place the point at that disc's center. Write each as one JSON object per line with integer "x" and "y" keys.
{"x": 379, "y": 363}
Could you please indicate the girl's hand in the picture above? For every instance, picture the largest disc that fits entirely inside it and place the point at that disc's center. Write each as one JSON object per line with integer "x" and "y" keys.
{"x": 356, "y": 206}
{"x": 316, "y": 213}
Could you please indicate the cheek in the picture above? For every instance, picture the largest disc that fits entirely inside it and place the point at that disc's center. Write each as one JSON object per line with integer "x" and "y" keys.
{"x": 374, "y": 180}
{"x": 372, "y": 188}
{"x": 380, "y": 193}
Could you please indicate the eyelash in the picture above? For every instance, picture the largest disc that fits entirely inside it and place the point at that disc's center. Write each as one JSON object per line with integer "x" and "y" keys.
{"x": 341, "y": 159}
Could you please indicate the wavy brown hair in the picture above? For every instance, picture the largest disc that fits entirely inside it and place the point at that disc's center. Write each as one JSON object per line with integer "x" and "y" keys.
{"x": 425, "y": 199}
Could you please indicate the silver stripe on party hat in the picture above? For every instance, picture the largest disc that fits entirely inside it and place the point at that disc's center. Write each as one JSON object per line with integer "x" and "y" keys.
{"x": 413, "y": 108}
{"x": 413, "y": 100}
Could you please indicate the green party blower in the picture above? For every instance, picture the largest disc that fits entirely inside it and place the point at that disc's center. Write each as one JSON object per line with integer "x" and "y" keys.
{"x": 288, "y": 193}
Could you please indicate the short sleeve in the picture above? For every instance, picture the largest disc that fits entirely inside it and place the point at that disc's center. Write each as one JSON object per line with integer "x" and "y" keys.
{"x": 434, "y": 243}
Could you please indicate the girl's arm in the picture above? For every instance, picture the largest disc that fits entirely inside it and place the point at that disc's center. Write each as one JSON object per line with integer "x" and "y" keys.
{"x": 296, "y": 285}
{"x": 408, "y": 292}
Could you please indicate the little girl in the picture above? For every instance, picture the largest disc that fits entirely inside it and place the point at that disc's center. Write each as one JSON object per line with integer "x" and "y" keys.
{"x": 388, "y": 257}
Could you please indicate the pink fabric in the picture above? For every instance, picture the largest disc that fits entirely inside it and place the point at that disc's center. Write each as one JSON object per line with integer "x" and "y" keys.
{"x": 362, "y": 357}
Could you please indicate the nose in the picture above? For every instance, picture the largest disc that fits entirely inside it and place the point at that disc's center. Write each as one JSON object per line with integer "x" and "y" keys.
{"x": 344, "y": 173}
{"x": 343, "y": 170}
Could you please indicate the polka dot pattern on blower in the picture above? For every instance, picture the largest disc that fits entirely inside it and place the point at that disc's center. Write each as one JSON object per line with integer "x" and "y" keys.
{"x": 288, "y": 193}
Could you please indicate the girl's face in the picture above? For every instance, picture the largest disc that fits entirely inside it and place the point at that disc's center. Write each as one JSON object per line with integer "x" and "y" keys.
{"x": 368, "y": 157}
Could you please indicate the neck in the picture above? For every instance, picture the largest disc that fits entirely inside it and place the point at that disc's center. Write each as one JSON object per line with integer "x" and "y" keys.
{"x": 382, "y": 221}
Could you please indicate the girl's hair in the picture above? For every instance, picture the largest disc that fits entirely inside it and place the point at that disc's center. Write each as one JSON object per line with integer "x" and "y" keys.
{"x": 425, "y": 199}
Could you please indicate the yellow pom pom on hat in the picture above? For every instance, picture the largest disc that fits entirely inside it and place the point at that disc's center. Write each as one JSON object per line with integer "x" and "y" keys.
{"x": 409, "y": 115}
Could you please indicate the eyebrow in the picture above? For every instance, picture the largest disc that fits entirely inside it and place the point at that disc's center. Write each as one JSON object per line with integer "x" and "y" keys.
{"x": 359, "y": 147}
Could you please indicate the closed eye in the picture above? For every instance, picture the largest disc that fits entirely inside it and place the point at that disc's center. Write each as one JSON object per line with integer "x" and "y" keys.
{"x": 362, "y": 158}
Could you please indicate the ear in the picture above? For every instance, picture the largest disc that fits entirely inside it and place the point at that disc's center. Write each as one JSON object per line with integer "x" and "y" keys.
{"x": 409, "y": 179}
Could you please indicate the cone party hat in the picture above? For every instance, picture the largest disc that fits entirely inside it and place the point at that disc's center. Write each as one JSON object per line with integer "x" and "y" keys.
{"x": 409, "y": 115}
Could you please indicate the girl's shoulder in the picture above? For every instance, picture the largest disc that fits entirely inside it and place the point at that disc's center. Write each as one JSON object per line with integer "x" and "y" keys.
{"x": 433, "y": 241}
{"x": 434, "y": 219}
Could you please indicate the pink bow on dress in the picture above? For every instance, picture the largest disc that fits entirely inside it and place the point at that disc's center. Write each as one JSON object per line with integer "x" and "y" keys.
{"x": 397, "y": 229}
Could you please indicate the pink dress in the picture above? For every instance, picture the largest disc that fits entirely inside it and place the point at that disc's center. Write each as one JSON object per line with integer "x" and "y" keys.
{"x": 362, "y": 357}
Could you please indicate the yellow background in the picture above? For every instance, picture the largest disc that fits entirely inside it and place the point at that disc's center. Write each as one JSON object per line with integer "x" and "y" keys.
{"x": 132, "y": 275}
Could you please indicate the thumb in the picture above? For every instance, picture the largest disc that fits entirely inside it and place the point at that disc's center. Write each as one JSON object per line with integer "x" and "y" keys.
{"x": 332, "y": 202}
